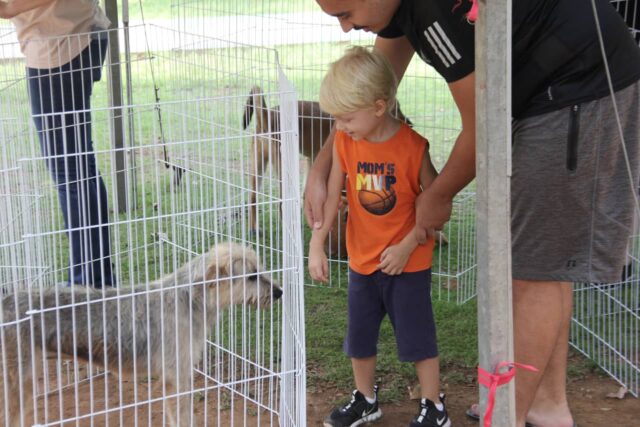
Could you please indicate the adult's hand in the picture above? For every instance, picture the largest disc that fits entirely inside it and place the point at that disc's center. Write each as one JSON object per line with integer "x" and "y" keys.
{"x": 432, "y": 212}
{"x": 315, "y": 194}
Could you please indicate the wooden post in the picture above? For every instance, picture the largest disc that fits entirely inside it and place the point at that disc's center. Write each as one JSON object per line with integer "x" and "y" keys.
{"x": 115, "y": 104}
{"x": 493, "y": 165}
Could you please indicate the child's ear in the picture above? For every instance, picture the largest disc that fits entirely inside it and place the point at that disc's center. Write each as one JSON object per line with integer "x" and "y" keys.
{"x": 380, "y": 107}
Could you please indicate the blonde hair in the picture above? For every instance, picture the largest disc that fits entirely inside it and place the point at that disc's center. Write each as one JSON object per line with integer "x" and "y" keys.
{"x": 357, "y": 80}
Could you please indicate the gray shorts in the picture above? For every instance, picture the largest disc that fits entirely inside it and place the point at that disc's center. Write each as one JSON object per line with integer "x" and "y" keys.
{"x": 572, "y": 198}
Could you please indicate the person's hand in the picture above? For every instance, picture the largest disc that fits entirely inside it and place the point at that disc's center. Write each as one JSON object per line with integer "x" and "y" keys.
{"x": 315, "y": 194}
{"x": 318, "y": 265}
{"x": 432, "y": 212}
{"x": 394, "y": 258}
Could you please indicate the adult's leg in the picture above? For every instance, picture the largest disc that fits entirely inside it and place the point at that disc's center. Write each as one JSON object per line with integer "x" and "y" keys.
{"x": 541, "y": 314}
{"x": 550, "y": 406}
{"x": 60, "y": 102}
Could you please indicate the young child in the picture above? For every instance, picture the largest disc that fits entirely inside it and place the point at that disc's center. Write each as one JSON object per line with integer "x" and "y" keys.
{"x": 385, "y": 164}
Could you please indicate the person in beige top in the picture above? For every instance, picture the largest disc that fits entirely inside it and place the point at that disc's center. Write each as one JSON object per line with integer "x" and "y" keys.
{"x": 64, "y": 47}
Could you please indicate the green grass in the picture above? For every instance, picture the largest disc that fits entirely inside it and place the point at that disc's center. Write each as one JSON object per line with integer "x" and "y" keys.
{"x": 433, "y": 112}
{"x": 325, "y": 307}
{"x": 326, "y": 313}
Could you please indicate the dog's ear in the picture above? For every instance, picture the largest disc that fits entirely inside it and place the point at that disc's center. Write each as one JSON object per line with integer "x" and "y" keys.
{"x": 256, "y": 102}
{"x": 262, "y": 113}
{"x": 217, "y": 265}
{"x": 248, "y": 109}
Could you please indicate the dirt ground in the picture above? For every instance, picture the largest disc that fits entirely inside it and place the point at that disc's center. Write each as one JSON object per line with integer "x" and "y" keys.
{"x": 587, "y": 391}
{"x": 587, "y": 397}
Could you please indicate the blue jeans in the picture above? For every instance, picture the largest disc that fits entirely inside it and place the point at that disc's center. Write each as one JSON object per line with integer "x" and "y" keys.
{"x": 60, "y": 103}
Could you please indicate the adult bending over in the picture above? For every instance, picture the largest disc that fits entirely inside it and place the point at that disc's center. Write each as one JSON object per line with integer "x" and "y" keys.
{"x": 572, "y": 198}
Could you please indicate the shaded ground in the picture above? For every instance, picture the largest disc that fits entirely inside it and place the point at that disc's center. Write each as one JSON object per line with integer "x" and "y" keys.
{"x": 587, "y": 397}
{"x": 587, "y": 388}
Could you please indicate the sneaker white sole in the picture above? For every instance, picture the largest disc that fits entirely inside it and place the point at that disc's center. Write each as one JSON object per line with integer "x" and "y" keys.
{"x": 371, "y": 417}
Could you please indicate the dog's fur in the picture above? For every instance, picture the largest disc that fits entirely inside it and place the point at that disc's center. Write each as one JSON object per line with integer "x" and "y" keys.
{"x": 162, "y": 332}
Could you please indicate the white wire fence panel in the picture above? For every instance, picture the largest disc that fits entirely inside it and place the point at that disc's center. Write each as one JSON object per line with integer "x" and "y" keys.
{"x": 203, "y": 325}
{"x": 630, "y": 11}
{"x": 606, "y": 322}
{"x": 606, "y": 317}
{"x": 454, "y": 273}
{"x": 307, "y": 40}
{"x": 293, "y": 399}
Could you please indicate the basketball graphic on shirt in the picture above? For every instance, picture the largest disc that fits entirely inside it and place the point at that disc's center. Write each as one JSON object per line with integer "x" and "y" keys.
{"x": 377, "y": 202}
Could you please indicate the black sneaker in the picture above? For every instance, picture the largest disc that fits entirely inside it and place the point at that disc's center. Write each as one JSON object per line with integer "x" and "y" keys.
{"x": 357, "y": 411}
{"x": 430, "y": 416}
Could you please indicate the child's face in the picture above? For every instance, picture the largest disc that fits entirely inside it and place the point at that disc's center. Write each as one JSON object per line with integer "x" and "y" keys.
{"x": 361, "y": 124}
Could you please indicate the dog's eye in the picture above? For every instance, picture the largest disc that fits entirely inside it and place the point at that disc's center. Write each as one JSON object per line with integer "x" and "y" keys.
{"x": 253, "y": 277}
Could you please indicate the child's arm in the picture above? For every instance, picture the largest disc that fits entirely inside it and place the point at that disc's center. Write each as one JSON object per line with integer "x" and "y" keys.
{"x": 394, "y": 258}
{"x": 318, "y": 264}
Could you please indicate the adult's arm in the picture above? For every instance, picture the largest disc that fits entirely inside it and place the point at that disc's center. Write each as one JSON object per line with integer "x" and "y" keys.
{"x": 315, "y": 191}
{"x": 433, "y": 206}
{"x": 399, "y": 52}
{"x": 15, "y": 7}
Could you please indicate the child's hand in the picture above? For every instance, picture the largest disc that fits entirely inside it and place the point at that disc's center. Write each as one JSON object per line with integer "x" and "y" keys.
{"x": 318, "y": 265}
{"x": 394, "y": 258}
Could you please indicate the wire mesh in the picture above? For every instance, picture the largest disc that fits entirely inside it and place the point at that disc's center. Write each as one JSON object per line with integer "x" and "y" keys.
{"x": 162, "y": 235}
{"x": 202, "y": 323}
{"x": 307, "y": 40}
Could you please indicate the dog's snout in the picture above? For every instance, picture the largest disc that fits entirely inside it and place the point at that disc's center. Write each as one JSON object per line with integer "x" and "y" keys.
{"x": 276, "y": 292}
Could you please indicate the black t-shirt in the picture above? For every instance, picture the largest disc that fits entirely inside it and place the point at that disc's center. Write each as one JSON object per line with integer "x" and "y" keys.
{"x": 556, "y": 54}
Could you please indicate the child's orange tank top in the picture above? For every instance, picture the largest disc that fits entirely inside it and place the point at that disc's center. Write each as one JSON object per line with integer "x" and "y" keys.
{"x": 383, "y": 181}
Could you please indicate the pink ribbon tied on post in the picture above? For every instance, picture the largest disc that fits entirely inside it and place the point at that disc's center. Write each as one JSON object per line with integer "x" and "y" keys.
{"x": 495, "y": 380}
{"x": 473, "y": 13}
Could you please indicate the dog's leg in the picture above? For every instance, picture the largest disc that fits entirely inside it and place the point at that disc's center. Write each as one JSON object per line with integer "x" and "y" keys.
{"x": 260, "y": 152}
{"x": 184, "y": 402}
{"x": 179, "y": 407}
{"x": 260, "y": 157}
{"x": 20, "y": 387}
{"x": 12, "y": 404}
{"x": 171, "y": 403}
{"x": 169, "y": 409}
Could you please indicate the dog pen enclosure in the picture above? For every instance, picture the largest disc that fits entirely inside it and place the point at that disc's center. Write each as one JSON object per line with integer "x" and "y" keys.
{"x": 255, "y": 373}
{"x": 606, "y": 322}
{"x": 179, "y": 186}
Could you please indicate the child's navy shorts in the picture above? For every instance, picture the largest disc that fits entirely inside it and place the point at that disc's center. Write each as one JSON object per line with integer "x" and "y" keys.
{"x": 407, "y": 300}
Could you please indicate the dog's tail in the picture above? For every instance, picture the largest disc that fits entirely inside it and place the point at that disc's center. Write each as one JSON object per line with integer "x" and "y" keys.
{"x": 255, "y": 101}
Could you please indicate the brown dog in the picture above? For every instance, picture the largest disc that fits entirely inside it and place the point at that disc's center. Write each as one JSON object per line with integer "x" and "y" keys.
{"x": 314, "y": 126}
